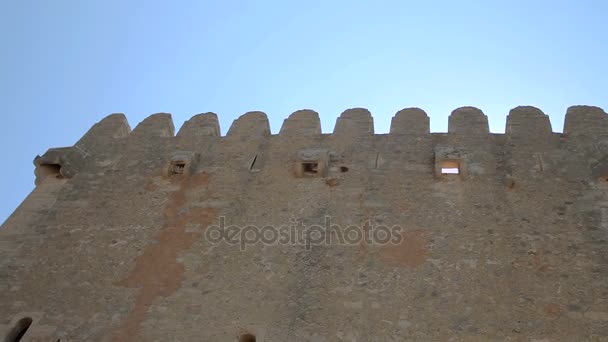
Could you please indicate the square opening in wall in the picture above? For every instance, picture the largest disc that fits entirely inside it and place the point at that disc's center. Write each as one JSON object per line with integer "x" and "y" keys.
{"x": 177, "y": 168}
{"x": 450, "y": 168}
{"x": 310, "y": 168}
{"x": 53, "y": 170}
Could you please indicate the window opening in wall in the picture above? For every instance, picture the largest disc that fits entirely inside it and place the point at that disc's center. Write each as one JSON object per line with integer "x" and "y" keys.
{"x": 247, "y": 338}
{"x": 450, "y": 168}
{"x": 177, "y": 168}
{"x": 253, "y": 162}
{"x": 376, "y": 161}
{"x": 343, "y": 169}
{"x": 310, "y": 168}
{"x": 51, "y": 170}
{"x": 19, "y": 330}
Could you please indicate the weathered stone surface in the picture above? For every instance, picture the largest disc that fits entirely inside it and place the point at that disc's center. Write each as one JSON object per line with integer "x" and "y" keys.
{"x": 586, "y": 120}
{"x": 250, "y": 124}
{"x": 528, "y": 124}
{"x": 156, "y": 125}
{"x": 355, "y": 122}
{"x": 468, "y": 121}
{"x": 200, "y": 126}
{"x": 410, "y": 121}
{"x": 113, "y": 126}
{"x": 302, "y": 123}
{"x": 116, "y": 242}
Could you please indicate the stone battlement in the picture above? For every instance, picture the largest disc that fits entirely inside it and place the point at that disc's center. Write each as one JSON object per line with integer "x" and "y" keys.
{"x": 521, "y": 121}
{"x": 468, "y": 129}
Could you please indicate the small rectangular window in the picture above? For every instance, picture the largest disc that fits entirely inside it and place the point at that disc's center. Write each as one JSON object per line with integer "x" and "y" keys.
{"x": 310, "y": 168}
{"x": 177, "y": 168}
{"x": 450, "y": 168}
{"x": 53, "y": 170}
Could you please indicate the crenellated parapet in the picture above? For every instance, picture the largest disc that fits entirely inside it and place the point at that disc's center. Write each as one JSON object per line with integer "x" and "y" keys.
{"x": 527, "y": 130}
{"x": 156, "y": 125}
{"x": 112, "y": 127}
{"x": 250, "y": 124}
{"x": 410, "y": 121}
{"x": 468, "y": 121}
{"x": 527, "y": 124}
{"x": 355, "y": 122}
{"x": 200, "y": 126}
{"x": 585, "y": 121}
{"x": 523, "y": 123}
{"x": 303, "y": 122}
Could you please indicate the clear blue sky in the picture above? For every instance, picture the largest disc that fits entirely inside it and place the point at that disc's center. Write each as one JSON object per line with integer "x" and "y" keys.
{"x": 67, "y": 64}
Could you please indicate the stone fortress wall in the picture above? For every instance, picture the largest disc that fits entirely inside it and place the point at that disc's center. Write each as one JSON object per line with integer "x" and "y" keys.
{"x": 110, "y": 245}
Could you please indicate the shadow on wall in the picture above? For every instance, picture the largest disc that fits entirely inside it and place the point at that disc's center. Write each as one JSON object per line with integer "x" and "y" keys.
{"x": 19, "y": 330}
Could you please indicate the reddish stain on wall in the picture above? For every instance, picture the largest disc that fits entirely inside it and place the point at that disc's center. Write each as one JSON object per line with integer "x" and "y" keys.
{"x": 553, "y": 310}
{"x": 411, "y": 252}
{"x": 157, "y": 273}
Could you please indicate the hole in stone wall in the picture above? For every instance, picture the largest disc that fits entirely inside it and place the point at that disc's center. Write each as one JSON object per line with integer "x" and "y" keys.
{"x": 310, "y": 168}
{"x": 53, "y": 170}
{"x": 247, "y": 338}
{"x": 177, "y": 168}
{"x": 253, "y": 162}
{"x": 450, "y": 168}
{"x": 343, "y": 169}
{"x": 19, "y": 330}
